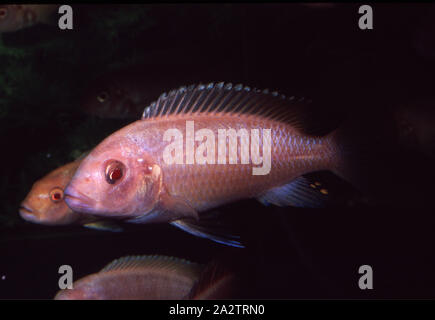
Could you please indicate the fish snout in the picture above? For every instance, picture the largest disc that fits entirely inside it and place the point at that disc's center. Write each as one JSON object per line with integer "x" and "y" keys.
{"x": 78, "y": 201}
{"x": 27, "y": 213}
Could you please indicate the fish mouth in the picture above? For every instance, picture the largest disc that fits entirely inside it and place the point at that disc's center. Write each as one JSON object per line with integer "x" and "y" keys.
{"x": 78, "y": 201}
{"x": 27, "y": 214}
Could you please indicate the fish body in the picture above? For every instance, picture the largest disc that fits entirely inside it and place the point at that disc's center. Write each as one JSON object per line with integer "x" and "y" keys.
{"x": 137, "y": 278}
{"x": 15, "y": 17}
{"x": 128, "y": 176}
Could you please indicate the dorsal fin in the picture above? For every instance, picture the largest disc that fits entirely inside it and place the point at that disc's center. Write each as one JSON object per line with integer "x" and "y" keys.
{"x": 218, "y": 98}
{"x": 167, "y": 263}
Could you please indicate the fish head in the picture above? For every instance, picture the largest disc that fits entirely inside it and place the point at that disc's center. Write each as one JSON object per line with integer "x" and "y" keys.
{"x": 118, "y": 179}
{"x": 9, "y": 18}
{"x": 45, "y": 203}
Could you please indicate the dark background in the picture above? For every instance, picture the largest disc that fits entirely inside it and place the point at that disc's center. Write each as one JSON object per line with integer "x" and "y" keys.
{"x": 299, "y": 50}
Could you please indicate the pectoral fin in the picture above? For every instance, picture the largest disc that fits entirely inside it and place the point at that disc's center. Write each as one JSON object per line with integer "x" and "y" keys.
{"x": 178, "y": 206}
{"x": 211, "y": 226}
{"x": 103, "y": 226}
{"x": 168, "y": 209}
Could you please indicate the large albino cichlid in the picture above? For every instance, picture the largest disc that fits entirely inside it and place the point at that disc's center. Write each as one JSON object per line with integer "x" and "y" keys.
{"x": 203, "y": 146}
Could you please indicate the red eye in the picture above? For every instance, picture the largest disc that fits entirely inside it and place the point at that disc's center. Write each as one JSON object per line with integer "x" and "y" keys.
{"x": 114, "y": 171}
{"x": 56, "y": 194}
{"x": 115, "y": 174}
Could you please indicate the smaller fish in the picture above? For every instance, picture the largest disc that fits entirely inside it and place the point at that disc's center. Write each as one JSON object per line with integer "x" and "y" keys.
{"x": 117, "y": 95}
{"x": 137, "y": 278}
{"x": 45, "y": 202}
{"x": 14, "y": 17}
{"x": 123, "y": 93}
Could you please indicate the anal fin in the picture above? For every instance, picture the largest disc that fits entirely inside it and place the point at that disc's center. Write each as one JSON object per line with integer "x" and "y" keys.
{"x": 301, "y": 192}
{"x": 209, "y": 226}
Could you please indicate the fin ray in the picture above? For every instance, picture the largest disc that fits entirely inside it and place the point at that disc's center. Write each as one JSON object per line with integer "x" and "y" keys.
{"x": 168, "y": 263}
{"x": 195, "y": 228}
{"x": 301, "y": 192}
{"x": 226, "y": 98}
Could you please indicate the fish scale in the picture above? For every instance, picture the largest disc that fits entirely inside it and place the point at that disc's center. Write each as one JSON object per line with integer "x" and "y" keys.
{"x": 148, "y": 189}
{"x": 235, "y": 181}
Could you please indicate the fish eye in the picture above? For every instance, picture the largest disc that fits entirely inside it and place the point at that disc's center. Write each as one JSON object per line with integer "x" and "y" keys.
{"x": 56, "y": 195}
{"x": 102, "y": 96}
{"x": 3, "y": 13}
{"x": 114, "y": 171}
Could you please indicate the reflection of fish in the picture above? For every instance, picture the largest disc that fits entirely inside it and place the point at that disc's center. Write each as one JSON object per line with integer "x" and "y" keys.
{"x": 118, "y": 95}
{"x": 45, "y": 202}
{"x": 14, "y": 17}
{"x": 155, "y": 277}
{"x": 127, "y": 177}
{"x": 140, "y": 277}
{"x": 415, "y": 124}
{"x": 124, "y": 93}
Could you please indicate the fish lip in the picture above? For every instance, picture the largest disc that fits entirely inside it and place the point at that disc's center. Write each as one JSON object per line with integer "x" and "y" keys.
{"x": 78, "y": 201}
{"x": 25, "y": 208}
{"x": 27, "y": 214}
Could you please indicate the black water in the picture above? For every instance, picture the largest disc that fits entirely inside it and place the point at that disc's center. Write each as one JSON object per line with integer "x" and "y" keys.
{"x": 319, "y": 53}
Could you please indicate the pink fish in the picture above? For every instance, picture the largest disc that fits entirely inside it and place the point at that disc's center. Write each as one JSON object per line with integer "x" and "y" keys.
{"x": 170, "y": 165}
{"x": 154, "y": 277}
{"x": 137, "y": 278}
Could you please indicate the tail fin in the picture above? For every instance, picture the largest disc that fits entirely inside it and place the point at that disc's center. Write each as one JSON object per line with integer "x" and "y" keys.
{"x": 217, "y": 281}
